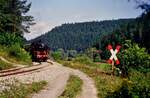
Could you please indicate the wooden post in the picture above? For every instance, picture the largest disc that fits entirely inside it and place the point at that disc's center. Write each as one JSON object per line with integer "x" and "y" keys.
{"x": 113, "y": 67}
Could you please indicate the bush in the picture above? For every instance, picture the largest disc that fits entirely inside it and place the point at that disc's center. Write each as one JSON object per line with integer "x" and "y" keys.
{"x": 8, "y": 39}
{"x": 19, "y": 53}
{"x": 71, "y": 53}
{"x": 134, "y": 56}
{"x": 97, "y": 58}
{"x": 138, "y": 86}
{"x": 122, "y": 92}
{"x": 57, "y": 55}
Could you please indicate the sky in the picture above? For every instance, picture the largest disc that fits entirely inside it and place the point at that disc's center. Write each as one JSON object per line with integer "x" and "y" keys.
{"x": 51, "y": 13}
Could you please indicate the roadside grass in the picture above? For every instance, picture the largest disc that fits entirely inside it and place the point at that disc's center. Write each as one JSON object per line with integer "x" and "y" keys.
{"x": 73, "y": 87}
{"x": 5, "y": 65}
{"x": 20, "y": 90}
{"x": 104, "y": 67}
{"x": 15, "y": 54}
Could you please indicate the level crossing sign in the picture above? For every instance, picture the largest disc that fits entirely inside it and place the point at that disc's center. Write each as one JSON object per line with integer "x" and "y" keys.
{"x": 113, "y": 54}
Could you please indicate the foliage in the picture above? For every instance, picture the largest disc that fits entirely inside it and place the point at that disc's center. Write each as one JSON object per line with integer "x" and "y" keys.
{"x": 90, "y": 52}
{"x": 73, "y": 87}
{"x": 18, "y": 53}
{"x": 83, "y": 59}
{"x": 15, "y": 54}
{"x": 13, "y": 16}
{"x": 8, "y": 39}
{"x": 141, "y": 83}
{"x": 5, "y": 65}
{"x": 13, "y": 23}
{"x": 71, "y": 53}
{"x": 17, "y": 89}
{"x": 97, "y": 58}
{"x": 106, "y": 84}
{"x": 79, "y": 36}
{"x": 134, "y": 56}
{"x": 60, "y": 54}
{"x": 143, "y": 24}
{"x": 94, "y": 54}
{"x": 121, "y": 92}
{"x": 117, "y": 37}
{"x": 138, "y": 86}
{"x": 57, "y": 55}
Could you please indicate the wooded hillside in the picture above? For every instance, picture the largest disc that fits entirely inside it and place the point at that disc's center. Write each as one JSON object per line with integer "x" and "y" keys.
{"x": 79, "y": 36}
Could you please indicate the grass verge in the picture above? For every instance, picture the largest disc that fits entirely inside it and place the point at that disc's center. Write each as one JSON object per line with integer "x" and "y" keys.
{"x": 15, "y": 54}
{"x": 16, "y": 89}
{"x": 73, "y": 87}
{"x": 5, "y": 65}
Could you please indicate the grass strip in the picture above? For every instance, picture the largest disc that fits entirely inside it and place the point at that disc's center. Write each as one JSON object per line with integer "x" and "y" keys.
{"x": 73, "y": 87}
{"x": 15, "y": 54}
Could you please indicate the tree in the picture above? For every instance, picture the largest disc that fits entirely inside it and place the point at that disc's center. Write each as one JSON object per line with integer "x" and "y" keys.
{"x": 13, "y": 16}
{"x": 143, "y": 24}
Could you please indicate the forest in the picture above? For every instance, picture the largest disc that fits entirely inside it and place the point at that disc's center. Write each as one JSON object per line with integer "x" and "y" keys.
{"x": 80, "y": 36}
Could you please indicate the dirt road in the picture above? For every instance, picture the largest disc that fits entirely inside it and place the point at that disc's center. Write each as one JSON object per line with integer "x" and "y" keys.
{"x": 57, "y": 75}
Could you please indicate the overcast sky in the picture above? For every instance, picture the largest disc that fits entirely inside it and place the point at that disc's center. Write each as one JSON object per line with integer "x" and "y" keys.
{"x": 51, "y": 13}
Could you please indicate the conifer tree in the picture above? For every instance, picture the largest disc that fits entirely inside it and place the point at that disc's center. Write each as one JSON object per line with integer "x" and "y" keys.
{"x": 13, "y": 18}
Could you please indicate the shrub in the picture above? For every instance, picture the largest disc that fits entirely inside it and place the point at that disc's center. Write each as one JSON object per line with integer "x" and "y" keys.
{"x": 19, "y": 53}
{"x": 138, "y": 86}
{"x": 56, "y": 55}
{"x": 134, "y": 56}
{"x": 97, "y": 58}
{"x": 93, "y": 54}
{"x": 71, "y": 53}
{"x": 8, "y": 39}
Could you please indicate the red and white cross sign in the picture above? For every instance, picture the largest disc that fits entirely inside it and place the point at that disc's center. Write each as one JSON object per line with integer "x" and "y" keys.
{"x": 113, "y": 54}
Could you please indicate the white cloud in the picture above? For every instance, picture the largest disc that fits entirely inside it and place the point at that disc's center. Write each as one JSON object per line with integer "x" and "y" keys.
{"x": 38, "y": 29}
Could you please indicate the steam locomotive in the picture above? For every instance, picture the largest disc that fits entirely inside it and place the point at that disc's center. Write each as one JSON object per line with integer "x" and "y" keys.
{"x": 39, "y": 51}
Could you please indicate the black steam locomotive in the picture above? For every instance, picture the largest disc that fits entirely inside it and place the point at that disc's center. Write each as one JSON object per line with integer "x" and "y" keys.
{"x": 39, "y": 51}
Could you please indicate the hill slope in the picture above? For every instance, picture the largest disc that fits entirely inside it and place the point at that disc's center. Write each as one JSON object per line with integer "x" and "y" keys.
{"x": 79, "y": 36}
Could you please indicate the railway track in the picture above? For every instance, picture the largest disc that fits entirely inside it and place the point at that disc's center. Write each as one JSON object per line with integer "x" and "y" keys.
{"x": 23, "y": 70}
